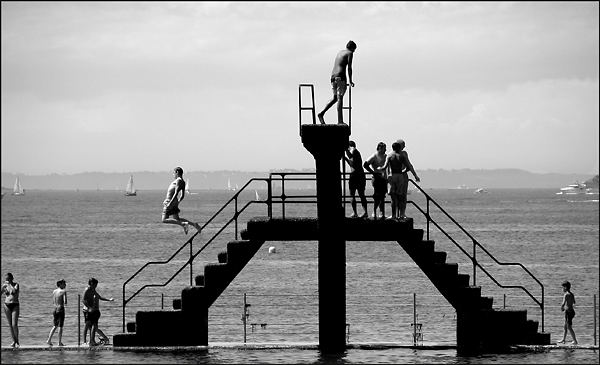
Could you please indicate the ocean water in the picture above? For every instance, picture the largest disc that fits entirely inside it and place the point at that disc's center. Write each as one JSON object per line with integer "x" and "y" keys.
{"x": 74, "y": 235}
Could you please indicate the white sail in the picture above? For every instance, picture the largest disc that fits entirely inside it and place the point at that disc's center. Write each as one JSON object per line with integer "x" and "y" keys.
{"x": 187, "y": 187}
{"x": 17, "y": 189}
{"x": 130, "y": 189}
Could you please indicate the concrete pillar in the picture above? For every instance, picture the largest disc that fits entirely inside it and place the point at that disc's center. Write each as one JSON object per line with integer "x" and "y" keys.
{"x": 468, "y": 336}
{"x": 327, "y": 144}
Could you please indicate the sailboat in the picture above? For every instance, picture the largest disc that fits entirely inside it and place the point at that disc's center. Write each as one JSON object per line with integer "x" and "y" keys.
{"x": 17, "y": 189}
{"x": 229, "y": 185}
{"x": 130, "y": 190}
{"x": 187, "y": 188}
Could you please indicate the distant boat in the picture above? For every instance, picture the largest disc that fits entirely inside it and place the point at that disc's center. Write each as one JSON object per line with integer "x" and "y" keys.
{"x": 187, "y": 188}
{"x": 130, "y": 190}
{"x": 480, "y": 191}
{"x": 257, "y": 196}
{"x": 576, "y": 188}
{"x": 17, "y": 189}
{"x": 229, "y": 187}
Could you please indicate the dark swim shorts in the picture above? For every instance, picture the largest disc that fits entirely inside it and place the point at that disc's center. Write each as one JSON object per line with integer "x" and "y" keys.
{"x": 357, "y": 182}
{"x": 569, "y": 314}
{"x": 92, "y": 317}
{"x": 59, "y": 317}
{"x": 379, "y": 185}
{"x": 170, "y": 211}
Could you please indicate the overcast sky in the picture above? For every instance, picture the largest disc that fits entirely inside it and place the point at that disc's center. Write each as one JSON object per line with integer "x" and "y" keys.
{"x": 123, "y": 87}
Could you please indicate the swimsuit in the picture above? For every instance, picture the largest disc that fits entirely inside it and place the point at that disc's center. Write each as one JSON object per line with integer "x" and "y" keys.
{"x": 59, "y": 316}
{"x": 12, "y": 306}
{"x": 569, "y": 314}
{"x": 338, "y": 85}
{"x": 379, "y": 185}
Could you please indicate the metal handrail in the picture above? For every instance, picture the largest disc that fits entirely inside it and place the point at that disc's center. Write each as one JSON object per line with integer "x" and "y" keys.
{"x": 474, "y": 257}
{"x": 312, "y": 108}
{"x": 290, "y": 199}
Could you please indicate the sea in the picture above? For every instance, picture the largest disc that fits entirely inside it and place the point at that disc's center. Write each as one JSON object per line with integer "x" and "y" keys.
{"x": 394, "y": 314}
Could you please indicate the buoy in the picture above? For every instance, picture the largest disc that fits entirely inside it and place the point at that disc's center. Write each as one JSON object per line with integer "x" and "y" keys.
{"x": 272, "y": 249}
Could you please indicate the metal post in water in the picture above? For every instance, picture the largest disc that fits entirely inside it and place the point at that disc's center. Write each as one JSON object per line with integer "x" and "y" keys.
{"x": 415, "y": 319}
{"x": 595, "y": 320}
{"x": 244, "y": 315}
{"x": 504, "y": 306}
{"x": 162, "y": 301}
{"x": 78, "y": 320}
{"x": 191, "y": 260}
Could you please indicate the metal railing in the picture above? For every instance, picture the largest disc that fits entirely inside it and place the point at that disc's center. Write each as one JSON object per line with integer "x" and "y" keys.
{"x": 312, "y": 107}
{"x": 476, "y": 244}
{"x": 283, "y": 199}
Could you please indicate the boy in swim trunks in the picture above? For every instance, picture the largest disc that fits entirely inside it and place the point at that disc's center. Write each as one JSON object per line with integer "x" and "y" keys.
{"x": 59, "y": 296}
{"x": 357, "y": 181}
{"x": 379, "y": 181}
{"x": 91, "y": 312}
{"x": 172, "y": 200}
{"x": 569, "y": 302}
{"x": 342, "y": 61}
{"x": 398, "y": 165}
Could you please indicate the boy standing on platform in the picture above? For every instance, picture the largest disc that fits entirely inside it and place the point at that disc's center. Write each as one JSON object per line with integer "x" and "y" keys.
{"x": 342, "y": 61}
{"x": 379, "y": 179}
{"x": 59, "y": 296}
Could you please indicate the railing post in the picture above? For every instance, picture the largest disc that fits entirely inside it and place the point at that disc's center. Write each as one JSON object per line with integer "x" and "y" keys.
{"x": 543, "y": 308}
{"x": 236, "y": 216}
{"x": 504, "y": 301}
{"x": 283, "y": 196}
{"x": 270, "y": 197}
{"x": 191, "y": 260}
{"x": 415, "y": 319}
{"x": 428, "y": 218}
{"x": 474, "y": 263}
{"x": 312, "y": 94}
{"x": 244, "y": 316}
{"x": 124, "y": 308}
{"x": 79, "y": 320}
{"x": 595, "y": 320}
{"x": 162, "y": 300}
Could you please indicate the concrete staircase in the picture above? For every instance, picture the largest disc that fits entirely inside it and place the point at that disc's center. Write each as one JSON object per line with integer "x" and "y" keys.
{"x": 186, "y": 324}
{"x": 495, "y": 329}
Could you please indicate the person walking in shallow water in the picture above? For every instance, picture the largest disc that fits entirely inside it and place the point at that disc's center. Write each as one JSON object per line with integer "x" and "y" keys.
{"x": 59, "y": 297}
{"x": 567, "y": 306}
{"x": 11, "y": 306}
{"x": 342, "y": 61}
{"x": 172, "y": 200}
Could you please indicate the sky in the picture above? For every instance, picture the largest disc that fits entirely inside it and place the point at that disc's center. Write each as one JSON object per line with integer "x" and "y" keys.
{"x": 147, "y": 86}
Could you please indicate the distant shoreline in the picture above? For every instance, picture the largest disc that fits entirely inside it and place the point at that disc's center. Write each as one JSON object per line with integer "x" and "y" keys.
{"x": 217, "y": 180}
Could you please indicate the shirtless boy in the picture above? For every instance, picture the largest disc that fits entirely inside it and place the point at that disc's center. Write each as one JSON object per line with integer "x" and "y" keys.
{"x": 59, "y": 296}
{"x": 397, "y": 165}
{"x": 569, "y": 302}
{"x": 342, "y": 61}
{"x": 379, "y": 180}
{"x": 172, "y": 200}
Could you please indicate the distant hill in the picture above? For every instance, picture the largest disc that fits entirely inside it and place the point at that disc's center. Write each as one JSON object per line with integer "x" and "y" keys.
{"x": 201, "y": 180}
{"x": 593, "y": 182}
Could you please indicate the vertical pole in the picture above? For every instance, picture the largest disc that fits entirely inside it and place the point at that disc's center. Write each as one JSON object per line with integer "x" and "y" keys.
{"x": 504, "y": 305}
{"x": 312, "y": 94}
{"x": 595, "y": 320}
{"x": 236, "y": 215}
{"x": 428, "y": 218}
{"x": 474, "y": 264}
{"x": 283, "y": 196}
{"x": 270, "y": 197}
{"x": 162, "y": 301}
{"x": 327, "y": 144}
{"x": 415, "y": 319}
{"x": 191, "y": 260}
{"x": 79, "y": 319}
{"x": 244, "y": 316}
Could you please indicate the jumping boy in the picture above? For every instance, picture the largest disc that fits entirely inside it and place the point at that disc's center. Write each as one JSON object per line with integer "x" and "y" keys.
{"x": 569, "y": 302}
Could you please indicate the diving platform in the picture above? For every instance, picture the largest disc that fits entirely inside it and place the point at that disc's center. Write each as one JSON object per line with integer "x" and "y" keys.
{"x": 480, "y": 327}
